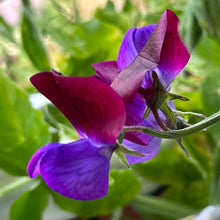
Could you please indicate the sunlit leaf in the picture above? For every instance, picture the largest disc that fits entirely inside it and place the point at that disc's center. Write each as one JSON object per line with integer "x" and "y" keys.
{"x": 22, "y": 129}
{"x": 30, "y": 205}
{"x": 209, "y": 50}
{"x": 32, "y": 43}
{"x": 94, "y": 36}
{"x": 112, "y": 17}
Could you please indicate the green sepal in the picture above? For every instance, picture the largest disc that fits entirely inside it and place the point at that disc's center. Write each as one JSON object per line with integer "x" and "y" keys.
{"x": 165, "y": 108}
{"x": 128, "y": 151}
{"x": 180, "y": 143}
{"x": 122, "y": 158}
{"x": 146, "y": 113}
{"x": 172, "y": 96}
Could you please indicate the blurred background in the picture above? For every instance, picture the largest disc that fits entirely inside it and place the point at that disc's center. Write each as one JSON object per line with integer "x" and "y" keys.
{"x": 68, "y": 36}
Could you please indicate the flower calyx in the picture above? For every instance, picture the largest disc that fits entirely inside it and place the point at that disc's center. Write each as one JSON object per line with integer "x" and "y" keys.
{"x": 157, "y": 97}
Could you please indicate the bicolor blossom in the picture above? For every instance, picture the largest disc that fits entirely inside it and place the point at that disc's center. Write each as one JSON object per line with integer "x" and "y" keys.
{"x": 80, "y": 169}
{"x": 99, "y": 107}
{"x": 146, "y": 50}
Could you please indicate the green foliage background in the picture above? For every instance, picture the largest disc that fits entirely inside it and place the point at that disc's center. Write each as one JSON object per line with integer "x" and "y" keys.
{"x": 64, "y": 40}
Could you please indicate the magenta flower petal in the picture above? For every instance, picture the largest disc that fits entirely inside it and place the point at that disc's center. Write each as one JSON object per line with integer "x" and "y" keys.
{"x": 107, "y": 70}
{"x": 128, "y": 81}
{"x": 147, "y": 59}
{"x": 90, "y": 105}
{"x": 174, "y": 55}
{"x": 151, "y": 149}
{"x": 133, "y": 42}
{"x": 164, "y": 51}
{"x": 77, "y": 170}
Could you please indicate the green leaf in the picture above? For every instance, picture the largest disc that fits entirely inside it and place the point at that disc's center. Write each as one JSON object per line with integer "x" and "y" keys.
{"x": 57, "y": 120}
{"x": 208, "y": 15}
{"x": 123, "y": 187}
{"x": 127, "y": 6}
{"x": 209, "y": 50}
{"x": 190, "y": 28}
{"x": 22, "y": 129}
{"x": 77, "y": 66}
{"x": 210, "y": 89}
{"x": 32, "y": 43}
{"x": 110, "y": 5}
{"x": 93, "y": 36}
{"x": 170, "y": 166}
{"x": 194, "y": 195}
{"x": 30, "y": 205}
{"x": 195, "y": 103}
{"x": 6, "y": 30}
{"x": 118, "y": 19}
{"x": 198, "y": 146}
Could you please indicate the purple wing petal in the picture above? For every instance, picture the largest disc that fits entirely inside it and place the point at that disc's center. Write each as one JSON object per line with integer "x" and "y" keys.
{"x": 90, "y": 105}
{"x": 33, "y": 168}
{"x": 151, "y": 150}
{"x": 133, "y": 42}
{"x": 107, "y": 70}
{"x": 134, "y": 113}
{"x": 77, "y": 170}
{"x": 135, "y": 110}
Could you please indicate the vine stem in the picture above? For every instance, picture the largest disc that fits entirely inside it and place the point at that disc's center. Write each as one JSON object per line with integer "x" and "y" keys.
{"x": 14, "y": 185}
{"x": 175, "y": 134}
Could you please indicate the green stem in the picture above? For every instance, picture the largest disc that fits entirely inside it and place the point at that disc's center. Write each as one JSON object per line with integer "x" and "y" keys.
{"x": 175, "y": 134}
{"x": 14, "y": 185}
{"x": 160, "y": 123}
{"x": 147, "y": 205}
{"x": 215, "y": 178}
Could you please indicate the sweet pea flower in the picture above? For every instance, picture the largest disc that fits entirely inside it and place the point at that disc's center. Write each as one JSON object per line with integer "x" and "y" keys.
{"x": 80, "y": 169}
{"x": 149, "y": 59}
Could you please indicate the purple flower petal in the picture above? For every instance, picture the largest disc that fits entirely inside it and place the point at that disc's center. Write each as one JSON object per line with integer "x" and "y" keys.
{"x": 107, "y": 70}
{"x": 134, "y": 113}
{"x": 151, "y": 150}
{"x": 133, "y": 42}
{"x": 33, "y": 168}
{"x": 77, "y": 170}
{"x": 141, "y": 138}
{"x": 135, "y": 110}
{"x": 90, "y": 105}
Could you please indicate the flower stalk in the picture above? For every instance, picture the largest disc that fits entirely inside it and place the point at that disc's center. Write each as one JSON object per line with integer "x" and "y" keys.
{"x": 175, "y": 134}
